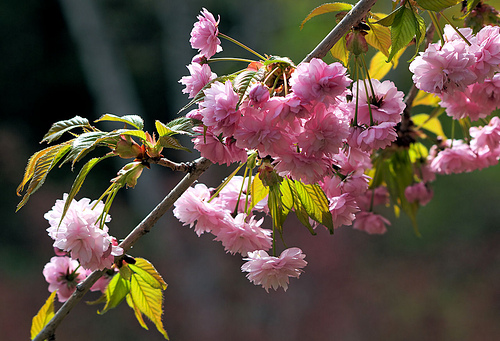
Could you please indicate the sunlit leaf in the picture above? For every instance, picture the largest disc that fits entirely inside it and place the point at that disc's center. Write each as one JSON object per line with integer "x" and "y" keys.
{"x": 425, "y": 98}
{"x": 437, "y": 5}
{"x": 288, "y": 189}
{"x": 327, "y": 8}
{"x": 379, "y": 67}
{"x": 82, "y": 145}
{"x": 419, "y": 30}
{"x": 388, "y": 20}
{"x": 43, "y": 316}
{"x": 148, "y": 273}
{"x": 171, "y": 142}
{"x": 339, "y": 51}
{"x": 137, "y": 312}
{"x": 315, "y": 203}
{"x": 279, "y": 60}
{"x": 403, "y": 30}
{"x": 133, "y": 120}
{"x": 258, "y": 192}
{"x": 431, "y": 124}
{"x": 182, "y": 125}
{"x": 59, "y": 128}
{"x": 244, "y": 81}
{"x": 116, "y": 291}
{"x": 276, "y": 208}
{"x": 39, "y": 166}
{"x": 417, "y": 152}
{"x": 148, "y": 300}
{"x": 379, "y": 37}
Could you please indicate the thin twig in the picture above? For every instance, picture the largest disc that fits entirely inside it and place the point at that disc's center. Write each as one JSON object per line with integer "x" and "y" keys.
{"x": 178, "y": 167}
{"x": 199, "y": 167}
{"x": 352, "y": 18}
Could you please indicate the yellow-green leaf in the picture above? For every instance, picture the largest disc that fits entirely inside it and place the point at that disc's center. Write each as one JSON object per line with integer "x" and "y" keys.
{"x": 379, "y": 37}
{"x": 425, "y": 98}
{"x": 148, "y": 273}
{"x": 339, "y": 51}
{"x": 116, "y": 291}
{"x": 162, "y": 129}
{"x": 43, "y": 316}
{"x": 148, "y": 300}
{"x": 39, "y": 166}
{"x": 315, "y": 203}
{"x": 257, "y": 191}
{"x": 326, "y": 8}
{"x": 378, "y": 66}
{"x": 431, "y": 124}
{"x": 137, "y": 312}
{"x": 133, "y": 120}
{"x": 437, "y": 5}
{"x": 292, "y": 200}
{"x": 59, "y": 128}
{"x": 417, "y": 152}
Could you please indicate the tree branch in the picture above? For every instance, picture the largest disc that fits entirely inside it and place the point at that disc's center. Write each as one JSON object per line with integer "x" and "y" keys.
{"x": 199, "y": 167}
{"x": 352, "y": 18}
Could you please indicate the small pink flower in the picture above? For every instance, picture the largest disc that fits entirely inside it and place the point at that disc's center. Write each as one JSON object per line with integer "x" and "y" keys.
{"x": 419, "y": 192}
{"x": 200, "y": 76}
{"x": 308, "y": 169}
{"x": 193, "y": 207}
{"x": 386, "y": 104}
{"x": 343, "y": 209}
{"x": 219, "y": 108}
{"x": 487, "y": 52}
{"x": 371, "y": 223}
{"x": 238, "y": 235}
{"x": 204, "y": 34}
{"x": 486, "y": 138}
{"x": 61, "y": 275}
{"x": 324, "y": 133}
{"x": 273, "y": 272}
{"x": 372, "y": 138}
{"x": 444, "y": 69}
{"x": 258, "y": 94}
{"x": 318, "y": 81}
{"x": 461, "y": 104}
{"x": 221, "y": 151}
{"x": 458, "y": 158}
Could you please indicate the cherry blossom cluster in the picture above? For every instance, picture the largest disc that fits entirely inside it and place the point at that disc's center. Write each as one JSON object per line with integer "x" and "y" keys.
{"x": 463, "y": 71}
{"x": 314, "y": 125}
{"x": 80, "y": 236}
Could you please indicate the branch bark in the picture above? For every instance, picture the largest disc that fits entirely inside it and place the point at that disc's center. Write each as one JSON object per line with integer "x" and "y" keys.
{"x": 198, "y": 168}
{"x": 352, "y": 18}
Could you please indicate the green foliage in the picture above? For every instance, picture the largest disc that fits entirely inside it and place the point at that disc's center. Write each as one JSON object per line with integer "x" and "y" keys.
{"x": 429, "y": 123}
{"x": 244, "y": 81}
{"x": 437, "y": 5}
{"x": 141, "y": 285}
{"x": 133, "y": 120}
{"x": 59, "y": 128}
{"x": 327, "y": 8}
{"x": 43, "y": 316}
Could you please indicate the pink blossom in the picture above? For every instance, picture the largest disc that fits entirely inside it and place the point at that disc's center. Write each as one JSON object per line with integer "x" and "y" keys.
{"x": 458, "y": 158}
{"x": 373, "y": 197}
{"x": 258, "y": 94}
{"x": 386, "y": 104}
{"x": 233, "y": 193}
{"x": 204, "y": 34}
{"x": 419, "y": 192}
{"x": 375, "y": 137}
{"x": 240, "y": 235}
{"x": 219, "y": 108}
{"x": 450, "y": 34}
{"x": 200, "y": 76}
{"x": 288, "y": 109}
{"x": 352, "y": 160}
{"x": 318, "y": 81}
{"x": 371, "y": 223}
{"x": 486, "y": 138}
{"x": 343, "y": 209}
{"x": 487, "y": 52}
{"x": 446, "y": 68}
{"x": 460, "y": 104}
{"x": 61, "y": 275}
{"x": 193, "y": 207}
{"x": 298, "y": 166}
{"x": 274, "y": 272}
{"x": 324, "y": 132}
{"x": 221, "y": 151}
{"x": 103, "y": 281}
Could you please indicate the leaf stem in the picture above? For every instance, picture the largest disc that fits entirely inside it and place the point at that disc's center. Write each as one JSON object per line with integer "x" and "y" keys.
{"x": 230, "y": 60}
{"x": 456, "y": 29}
{"x": 222, "y": 35}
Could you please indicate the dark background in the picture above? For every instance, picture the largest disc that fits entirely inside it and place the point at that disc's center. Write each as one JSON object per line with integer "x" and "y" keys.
{"x": 64, "y": 58}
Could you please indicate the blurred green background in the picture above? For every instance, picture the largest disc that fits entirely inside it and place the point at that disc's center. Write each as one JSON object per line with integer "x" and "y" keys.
{"x": 64, "y": 58}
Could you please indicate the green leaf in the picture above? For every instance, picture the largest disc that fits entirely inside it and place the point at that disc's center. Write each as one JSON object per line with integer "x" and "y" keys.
{"x": 116, "y": 291}
{"x": 327, "y": 8}
{"x": 162, "y": 129}
{"x": 133, "y": 120}
{"x": 59, "y": 128}
{"x": 403, "y": 30}
{"x": 276, "y": 208}
{"x": 244, "y": 81}
{"x": 417, "y": 152}
{"x": 148, "y": 300}
{"x": 171, "y": 142}
{"x": 379, "y": 37}
{"x": 437, "y": 5}
{"x": 425, "y": 98}
{"x": 77, "y": 184}
{"x": 389, "y": 19}
{"x": 82, "y": 145}
{"x": 148, "y": 273}
{"x": 419, "y": 31}
{"x": 470, "y": 6}
{"x": 315, "y": 203}
{"x": 431, "y": 124}
{"x": 339, "y": 51}
{"x": 288, "y": 187}
{"x": 39, "y": 166}
{"x": 43, "y": 316}
{"x": 182, "y": 125}
{"x": 137, "y": 312}
{"x": 279, "y": 60}
{"x": 257, "y": 191}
